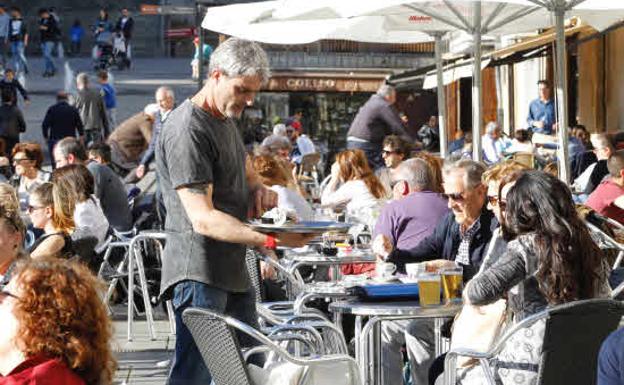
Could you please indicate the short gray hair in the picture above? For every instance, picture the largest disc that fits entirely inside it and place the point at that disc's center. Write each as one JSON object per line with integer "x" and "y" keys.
{"x": 385, "y": 90}
{"x": 238, "y": 57}
{"x": 416, "y": 172}
{"x": 473, "y": 171}
{"x": 82, "y": 78}
{"x": 165, "y": 90}
{"x": 491, "y": 127}
{"x": 600, "y": 141}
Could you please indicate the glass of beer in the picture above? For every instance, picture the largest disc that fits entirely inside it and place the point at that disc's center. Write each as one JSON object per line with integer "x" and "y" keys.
{"x": 452, "y": 283}
{"x": 429, "y": 289}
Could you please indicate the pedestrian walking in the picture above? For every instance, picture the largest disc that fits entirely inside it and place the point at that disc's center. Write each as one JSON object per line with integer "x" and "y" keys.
{"x": 18, "y": 38}
{"x": 92, "y": 110}
{"x": 48, "y": 33}
{"x": 13, "y": 85}
{"x": 4, "y": 35}
{"x": 125, "y": 26}
{"x": 61, "y": 120}
{"x": 108, "y": 93}
{"x": 76, "y": 34}
{"x": 12, "y": 122}
{"x": 58, "y": 43}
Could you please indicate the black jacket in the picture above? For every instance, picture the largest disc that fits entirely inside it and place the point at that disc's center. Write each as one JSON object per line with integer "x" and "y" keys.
{"x": 13, "y": 86}
{"x": 444, "y": 243}
{"x": 51, "y": 31}
{"x": 12, "y": 122}
{"x": 62, "y": 120}
{"x": 127, "y": 29}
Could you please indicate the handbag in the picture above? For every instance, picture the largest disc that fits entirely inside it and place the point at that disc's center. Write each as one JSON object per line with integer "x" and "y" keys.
{"x": 477, "y": 328}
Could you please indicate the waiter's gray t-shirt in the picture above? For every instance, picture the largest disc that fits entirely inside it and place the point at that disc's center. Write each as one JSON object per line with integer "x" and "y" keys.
{"x": 195, "y": 148}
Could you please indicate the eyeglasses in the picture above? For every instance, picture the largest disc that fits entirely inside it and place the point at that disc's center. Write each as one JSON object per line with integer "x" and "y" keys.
{"x": 458, "y": 197}
{"x": 33, "y": 208}
{"x": 386, "y": 152}
{"x": 395, "y": 182}
{"x": 494, "y": 201}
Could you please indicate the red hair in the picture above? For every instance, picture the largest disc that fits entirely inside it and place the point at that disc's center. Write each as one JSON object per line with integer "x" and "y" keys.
{"x": 354, "y": 166}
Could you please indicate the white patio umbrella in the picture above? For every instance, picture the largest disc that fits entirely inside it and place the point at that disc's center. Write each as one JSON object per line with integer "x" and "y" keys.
{"x": 379, "y": 21}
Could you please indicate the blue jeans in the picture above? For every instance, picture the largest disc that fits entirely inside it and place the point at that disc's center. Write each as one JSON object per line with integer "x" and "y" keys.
{"x": 188, "y": 365}
{"x": 371, "y": 150}
{"x": 46, "y": 48}
{"x": 19, "y": 58}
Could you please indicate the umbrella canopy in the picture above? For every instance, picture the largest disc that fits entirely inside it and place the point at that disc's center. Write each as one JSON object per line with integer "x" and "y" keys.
{"x": 391, "y": 21}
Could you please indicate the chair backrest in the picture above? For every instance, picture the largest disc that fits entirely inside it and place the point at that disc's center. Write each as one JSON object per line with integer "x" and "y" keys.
{"x": 525, "y": 158}
{"x": 253, "y": 269}
{"x": 309, "y": 162}
{"x": 218, "y": 346}
{"x": 572, "y": 339}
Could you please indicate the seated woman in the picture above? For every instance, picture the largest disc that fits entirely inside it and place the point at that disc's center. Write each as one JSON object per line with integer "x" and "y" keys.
{"x": 76, "y": 183}
{"x": 551, "y": 260}
{"x": 54, "y": 217}
{"x": 353, "y": 185}
{"x": 273, "y": 175}
{"x": 55, "y": 327}
{"x": 27, "y": 159}
{"x": 12, "y": 231}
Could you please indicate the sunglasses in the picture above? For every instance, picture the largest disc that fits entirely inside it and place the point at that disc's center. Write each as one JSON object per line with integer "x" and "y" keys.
{"x": 386, "y": 152}
{"x": 458, "y": 197}
{"x": 395, "y": 182}
{"x": 494, "y": 201}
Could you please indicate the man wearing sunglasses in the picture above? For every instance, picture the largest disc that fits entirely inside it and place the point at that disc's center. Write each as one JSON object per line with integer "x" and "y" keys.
{"x": 461, "y": 237}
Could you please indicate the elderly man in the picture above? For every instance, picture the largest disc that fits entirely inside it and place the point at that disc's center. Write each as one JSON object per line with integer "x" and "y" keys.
{"x": 493, "y": 144}
{"x": 375, "y": 120}
{"x": 461, "y": 237}
{"x": 597, "y": 171}
{"x": 608, "y": 198}
{"x": 90, "y": 104}
{"x": 406, "y": 222}
{"x": 207, "y": 183}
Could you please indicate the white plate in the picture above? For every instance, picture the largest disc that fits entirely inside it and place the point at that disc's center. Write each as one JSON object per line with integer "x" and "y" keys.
{"x": 408, "y": 280}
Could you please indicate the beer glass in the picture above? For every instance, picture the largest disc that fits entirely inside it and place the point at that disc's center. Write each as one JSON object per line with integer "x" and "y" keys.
{"x": 452, "y": 283}
{"x": 429, "y": 289}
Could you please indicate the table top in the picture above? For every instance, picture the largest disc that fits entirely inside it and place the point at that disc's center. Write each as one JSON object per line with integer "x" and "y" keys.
{"x": 411, "y": 309}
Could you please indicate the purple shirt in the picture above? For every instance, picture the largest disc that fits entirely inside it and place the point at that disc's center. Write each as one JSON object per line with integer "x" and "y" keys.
{"x": 409, "y": 220}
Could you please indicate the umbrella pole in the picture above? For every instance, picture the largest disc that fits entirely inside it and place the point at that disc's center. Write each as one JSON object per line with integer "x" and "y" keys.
{"x": 562, "y": 105}
{"x": 441, "y": 97}
{"x": 477, "y": 101}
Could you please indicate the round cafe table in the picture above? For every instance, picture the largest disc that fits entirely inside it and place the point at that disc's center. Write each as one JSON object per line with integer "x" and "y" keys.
{"x": 368, "y": 335}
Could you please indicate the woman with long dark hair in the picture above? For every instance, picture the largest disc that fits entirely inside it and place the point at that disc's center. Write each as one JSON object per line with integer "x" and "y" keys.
{"x": 551, "y": 260}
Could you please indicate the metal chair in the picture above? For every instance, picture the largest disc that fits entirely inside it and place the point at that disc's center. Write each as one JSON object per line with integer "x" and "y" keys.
{"x": 572, "y": 339}
{"x": 215, "y": 337}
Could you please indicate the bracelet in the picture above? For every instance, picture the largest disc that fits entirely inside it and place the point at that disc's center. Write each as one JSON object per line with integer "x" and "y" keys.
{"x": 270, "y": 242}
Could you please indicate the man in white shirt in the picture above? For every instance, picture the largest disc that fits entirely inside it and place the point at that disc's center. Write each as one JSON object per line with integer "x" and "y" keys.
{"x": 493, "y": 144}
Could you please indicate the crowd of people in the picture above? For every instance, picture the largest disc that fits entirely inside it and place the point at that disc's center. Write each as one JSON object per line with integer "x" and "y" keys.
{"x": 514, "y": 230}
{"x": 15, "y": 37}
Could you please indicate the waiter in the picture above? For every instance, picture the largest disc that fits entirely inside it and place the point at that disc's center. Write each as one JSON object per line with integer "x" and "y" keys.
{"x": 207, "y": 185}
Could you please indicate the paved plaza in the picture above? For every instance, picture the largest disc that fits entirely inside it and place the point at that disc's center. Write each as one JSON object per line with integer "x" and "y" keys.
{"x": 142, "y": 360}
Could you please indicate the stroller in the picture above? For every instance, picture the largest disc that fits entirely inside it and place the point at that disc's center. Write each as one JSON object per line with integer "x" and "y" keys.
{"x": 103, "y": 51}
{"x": 120, "y": 52}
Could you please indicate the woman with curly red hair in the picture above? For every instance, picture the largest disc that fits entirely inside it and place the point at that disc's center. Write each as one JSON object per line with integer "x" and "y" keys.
{"x": 55, "y": 327}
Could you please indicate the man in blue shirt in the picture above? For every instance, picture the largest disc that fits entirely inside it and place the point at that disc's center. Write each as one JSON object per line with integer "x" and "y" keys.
{"x": 108, "y": 93}
{"x": 542, "y": 111}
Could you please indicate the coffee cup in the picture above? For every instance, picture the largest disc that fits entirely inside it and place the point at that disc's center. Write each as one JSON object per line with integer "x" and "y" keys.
{"x": 385, "y": 269}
